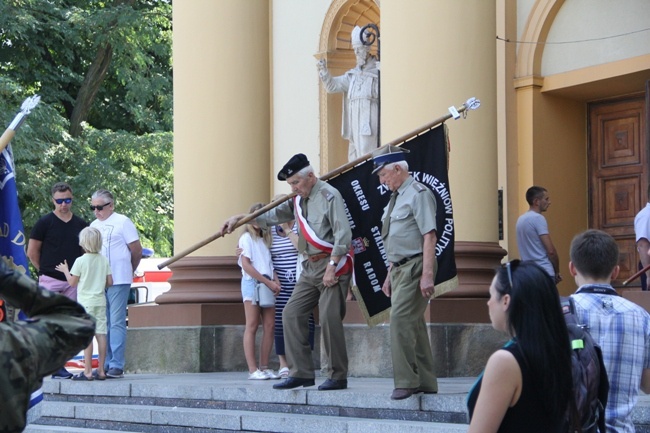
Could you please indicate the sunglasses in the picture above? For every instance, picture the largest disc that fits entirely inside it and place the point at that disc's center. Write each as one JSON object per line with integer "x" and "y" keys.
{"x": 63, "y": 200}
{"x": 509, "y": 267}
{"x": 509, "y": 274}
{"x": 100, "y": 206}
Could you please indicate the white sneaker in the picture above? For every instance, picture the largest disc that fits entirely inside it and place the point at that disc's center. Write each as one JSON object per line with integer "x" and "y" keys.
{"x": 257, "y": 375}
{"x": 284, "y": 372}
{"x": 270, "y": 374}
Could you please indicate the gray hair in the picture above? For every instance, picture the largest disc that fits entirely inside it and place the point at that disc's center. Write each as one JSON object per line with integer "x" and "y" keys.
{"x": 105, "y": 194}
{"x": 304, "y": 172}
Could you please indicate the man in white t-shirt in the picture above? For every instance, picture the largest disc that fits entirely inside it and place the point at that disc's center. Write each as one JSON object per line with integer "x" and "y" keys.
{"x": 121, "y": 246}
{"x": 642, "y": 232}
{"x": 533, "y": 237}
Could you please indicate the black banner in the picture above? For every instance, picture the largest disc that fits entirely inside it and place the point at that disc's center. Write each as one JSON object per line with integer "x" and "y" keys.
{"x": 366, "y": 199}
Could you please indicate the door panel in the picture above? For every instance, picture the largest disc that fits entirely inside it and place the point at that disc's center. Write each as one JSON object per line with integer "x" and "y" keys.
{"x": 618, "y": 155}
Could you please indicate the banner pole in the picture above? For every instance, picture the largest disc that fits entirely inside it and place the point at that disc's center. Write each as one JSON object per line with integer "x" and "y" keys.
{"x": 470, "y": 104}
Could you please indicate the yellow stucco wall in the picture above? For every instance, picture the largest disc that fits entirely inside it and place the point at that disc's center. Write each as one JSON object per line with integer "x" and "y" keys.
{"x": 221, "y": 116}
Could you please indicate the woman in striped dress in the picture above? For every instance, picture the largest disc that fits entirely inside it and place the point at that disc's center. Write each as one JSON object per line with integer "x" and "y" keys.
{"x": 284, "y": 255}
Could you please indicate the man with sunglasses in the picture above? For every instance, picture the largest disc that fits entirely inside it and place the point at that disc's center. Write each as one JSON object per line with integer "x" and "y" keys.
{"x": 53, "y": 240}
{"x": 121, "y": 246}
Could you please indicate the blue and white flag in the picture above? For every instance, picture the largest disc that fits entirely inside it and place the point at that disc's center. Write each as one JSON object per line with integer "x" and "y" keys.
{"x": 12, "y": 235}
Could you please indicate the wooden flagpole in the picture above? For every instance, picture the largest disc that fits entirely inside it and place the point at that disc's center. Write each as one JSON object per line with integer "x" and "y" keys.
{"x": 470, "y": 104}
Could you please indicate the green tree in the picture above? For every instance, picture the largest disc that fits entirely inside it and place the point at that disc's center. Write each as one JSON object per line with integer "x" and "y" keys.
{"x": 103, "y": 70}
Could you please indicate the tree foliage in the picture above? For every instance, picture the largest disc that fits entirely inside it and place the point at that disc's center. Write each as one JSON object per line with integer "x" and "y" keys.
{"x": 94, "y": 130}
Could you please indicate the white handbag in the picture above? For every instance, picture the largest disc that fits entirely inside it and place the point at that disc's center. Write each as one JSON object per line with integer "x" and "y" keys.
{"x": 264, "y": 297}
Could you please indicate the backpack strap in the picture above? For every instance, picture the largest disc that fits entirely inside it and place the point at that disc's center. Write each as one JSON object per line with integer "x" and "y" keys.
{"x": 603, "y": 390}
{"x": 569, "y": 310}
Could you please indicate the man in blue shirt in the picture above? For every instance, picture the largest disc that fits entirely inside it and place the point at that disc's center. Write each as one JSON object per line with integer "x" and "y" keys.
{"x": 533, "y": 238}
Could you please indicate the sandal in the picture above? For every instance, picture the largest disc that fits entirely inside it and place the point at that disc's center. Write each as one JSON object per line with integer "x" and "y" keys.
{"x": 82, "y": 377}
{"x": 96, "y": 376}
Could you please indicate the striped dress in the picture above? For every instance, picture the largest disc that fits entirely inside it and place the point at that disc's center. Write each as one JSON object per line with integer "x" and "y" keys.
{"x": 285, "y": 258}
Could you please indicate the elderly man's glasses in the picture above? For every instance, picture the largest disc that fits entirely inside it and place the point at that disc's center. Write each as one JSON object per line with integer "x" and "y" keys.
{"x": 63, "y": 200}
{"x": 100, "y": 206}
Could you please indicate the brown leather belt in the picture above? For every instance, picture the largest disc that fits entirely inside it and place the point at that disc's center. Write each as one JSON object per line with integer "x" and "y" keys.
{"x": 317, "y": 257}
{"x": 405, "y": 260}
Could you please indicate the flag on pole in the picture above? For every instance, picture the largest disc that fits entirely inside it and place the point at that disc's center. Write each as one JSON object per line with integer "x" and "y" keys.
{"x": 365, "y": 199}
{"x": 12, "y": 234}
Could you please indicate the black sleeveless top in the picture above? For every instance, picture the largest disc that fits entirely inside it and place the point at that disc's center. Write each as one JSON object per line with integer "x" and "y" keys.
{"x": 527, "y": 415}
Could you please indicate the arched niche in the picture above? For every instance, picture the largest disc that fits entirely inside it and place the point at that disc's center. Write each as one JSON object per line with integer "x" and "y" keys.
{"x": 335, "y": 47}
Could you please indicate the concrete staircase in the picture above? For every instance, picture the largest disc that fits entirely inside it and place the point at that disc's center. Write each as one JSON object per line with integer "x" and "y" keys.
{"x": 227, "y": 402}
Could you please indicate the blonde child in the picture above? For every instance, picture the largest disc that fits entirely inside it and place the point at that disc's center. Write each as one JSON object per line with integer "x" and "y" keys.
{"x": 91, "y": 275}
{"x": 255, "y": 261}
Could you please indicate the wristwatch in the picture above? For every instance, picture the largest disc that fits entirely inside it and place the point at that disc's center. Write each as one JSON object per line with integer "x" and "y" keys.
{"x": 333, "y": 263}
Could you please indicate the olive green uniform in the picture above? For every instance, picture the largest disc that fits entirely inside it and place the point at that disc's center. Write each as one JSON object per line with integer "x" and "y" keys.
{"x": 325, "y": 212}
{"x": 57, "y": 330}
{"x": 413, "y": 215}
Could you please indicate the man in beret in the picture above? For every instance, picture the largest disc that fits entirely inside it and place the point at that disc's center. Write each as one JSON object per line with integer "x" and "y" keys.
{"x": 325, "y": 238}
{"x": 409, "y": 234}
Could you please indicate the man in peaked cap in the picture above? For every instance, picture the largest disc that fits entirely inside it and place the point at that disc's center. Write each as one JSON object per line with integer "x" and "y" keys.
{"x": 325, "y": 238}
{"x": 409, "y": 234}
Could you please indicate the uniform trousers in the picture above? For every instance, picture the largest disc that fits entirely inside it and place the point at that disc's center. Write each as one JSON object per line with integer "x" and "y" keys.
{"x": 309, "y": 293}
{"x": 411, "y": 351}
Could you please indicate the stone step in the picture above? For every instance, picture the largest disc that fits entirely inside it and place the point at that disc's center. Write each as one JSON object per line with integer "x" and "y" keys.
{"x": 365, "y": 397}
{"x": 231, "y": 396}
{"x": 142, "y": 418}
{"x": 35, "y": 428}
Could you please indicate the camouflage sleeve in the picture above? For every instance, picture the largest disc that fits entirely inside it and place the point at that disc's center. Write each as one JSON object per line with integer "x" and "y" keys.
{"x": 58, "y": 329}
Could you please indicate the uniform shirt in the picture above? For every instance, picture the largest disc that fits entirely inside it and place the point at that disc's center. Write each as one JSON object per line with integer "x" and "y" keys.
{"x": 92, "y": 270}
{"x": 413, "y": 215}
{"x": 60, "y": 241}
{"x": 117, "y": 233}
{"x": 325, "y": 215}
{"x": 530, "y": 226}
{"x": 622, "y": 329}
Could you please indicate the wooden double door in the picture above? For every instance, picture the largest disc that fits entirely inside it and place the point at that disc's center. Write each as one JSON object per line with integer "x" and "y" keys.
{"x": 618, "y": 152}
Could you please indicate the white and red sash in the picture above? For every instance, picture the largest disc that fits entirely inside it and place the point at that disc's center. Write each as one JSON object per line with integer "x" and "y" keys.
{"x": 345, "y": 265}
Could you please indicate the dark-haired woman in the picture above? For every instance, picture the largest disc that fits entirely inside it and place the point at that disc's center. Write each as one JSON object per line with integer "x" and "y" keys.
{"x": 526, "y": 385}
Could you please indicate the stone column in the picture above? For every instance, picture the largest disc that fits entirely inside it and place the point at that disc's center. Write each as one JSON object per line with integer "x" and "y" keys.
{"x": 448, "y": 55}
{"x": 221, "y": 153}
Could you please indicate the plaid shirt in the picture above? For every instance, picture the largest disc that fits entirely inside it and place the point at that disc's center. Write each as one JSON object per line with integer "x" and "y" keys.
{"x": 622, "y": 329}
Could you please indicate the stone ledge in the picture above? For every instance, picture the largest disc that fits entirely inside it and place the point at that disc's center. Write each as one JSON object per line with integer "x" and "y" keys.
{"x": 459, "y": 349}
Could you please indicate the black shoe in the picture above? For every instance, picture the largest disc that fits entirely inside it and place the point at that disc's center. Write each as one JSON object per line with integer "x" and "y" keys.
{"x": 332, "y": 384}
{"x": 402, "y": 393}
{"x": 293, "y": 382}
{"x": 62, "y": 373}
